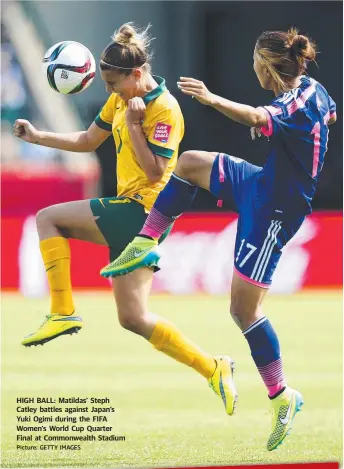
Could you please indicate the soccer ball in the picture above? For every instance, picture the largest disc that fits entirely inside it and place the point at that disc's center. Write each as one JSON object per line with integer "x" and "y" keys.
{"x": 69, "y": 67}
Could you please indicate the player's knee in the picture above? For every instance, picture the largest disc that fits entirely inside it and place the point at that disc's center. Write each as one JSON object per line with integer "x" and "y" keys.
{"x": 131, "y": 323}
{"x": 243, "y": 314}
{"x": 187, "y": 163}
{"x": 43, "y": 217}
{"x": 237, "y": 314}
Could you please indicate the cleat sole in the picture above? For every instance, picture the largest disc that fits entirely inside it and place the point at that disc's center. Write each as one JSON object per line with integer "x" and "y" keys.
{"x": 149, "y": 261}
{"x": 73, "y": 330}
{"x": 235, "y": 401}
{"x": 236, "y": 395}
{"x": 232, "y": 410}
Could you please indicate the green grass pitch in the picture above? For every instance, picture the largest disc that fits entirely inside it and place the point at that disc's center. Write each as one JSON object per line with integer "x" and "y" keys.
{"x": 166, "y": 411}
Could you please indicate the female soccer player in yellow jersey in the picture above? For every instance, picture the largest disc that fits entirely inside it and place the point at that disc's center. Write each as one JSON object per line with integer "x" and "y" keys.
{"x": 147, "y": 125}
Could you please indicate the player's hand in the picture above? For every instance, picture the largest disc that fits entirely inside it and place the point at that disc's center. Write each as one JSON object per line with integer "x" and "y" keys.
{"x": 136, "y": 111}
{"x": 255, "y": 132}
{"x": 196, "y": 89}
{"x": 25, "y": 130}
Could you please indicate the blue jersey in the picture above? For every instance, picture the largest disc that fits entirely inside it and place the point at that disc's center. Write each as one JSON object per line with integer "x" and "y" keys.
{"x": 298, "y": 132}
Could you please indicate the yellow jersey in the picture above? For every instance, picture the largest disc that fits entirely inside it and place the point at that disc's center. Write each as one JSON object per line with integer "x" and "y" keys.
{"x": 163, "y": 127}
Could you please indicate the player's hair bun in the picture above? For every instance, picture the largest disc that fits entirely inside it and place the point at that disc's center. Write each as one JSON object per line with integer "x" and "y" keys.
{"x": 125, "y": 35}
{"x": 129, "y": 35}
{"x": 285, "y": 54}
{"x": 129, "y": 49}
{"x": 301, "y": 45}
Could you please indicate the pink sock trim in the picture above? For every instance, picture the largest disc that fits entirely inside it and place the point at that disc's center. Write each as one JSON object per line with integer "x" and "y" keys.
{"x": 156, "y": 224}
{"x": 148, "y": 231}
{"x": 276, "y": 388}
{"x": 272, "y": 375}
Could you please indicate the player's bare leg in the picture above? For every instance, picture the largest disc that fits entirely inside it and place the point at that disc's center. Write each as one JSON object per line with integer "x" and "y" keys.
{"x": 70, "y": 220}
{"x": 195, "y": 167}
{"x": 131, "y": 294}
{"x": 55, "y": 225}
{"x": 245, "y": 302}
{"x": 245, "y": 308}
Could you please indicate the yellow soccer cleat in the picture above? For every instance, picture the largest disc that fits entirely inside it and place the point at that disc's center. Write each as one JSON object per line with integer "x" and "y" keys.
{"x": 53, "y": 326}
{"x": 222, "y": 383}
{"x": 139, "y": 253}
{"x": 284, "y": 408}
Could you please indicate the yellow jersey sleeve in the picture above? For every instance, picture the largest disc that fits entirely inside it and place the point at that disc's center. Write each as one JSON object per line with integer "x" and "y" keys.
{"x": 105, "y": 117}
{"x": 166, "y": 130}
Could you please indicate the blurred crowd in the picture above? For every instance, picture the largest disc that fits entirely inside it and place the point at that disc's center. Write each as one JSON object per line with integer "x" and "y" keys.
{"x": 16, "y": 103}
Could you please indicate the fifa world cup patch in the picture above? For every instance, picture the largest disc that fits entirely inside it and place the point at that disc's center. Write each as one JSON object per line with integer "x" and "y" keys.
{"x": 162, "y": 132}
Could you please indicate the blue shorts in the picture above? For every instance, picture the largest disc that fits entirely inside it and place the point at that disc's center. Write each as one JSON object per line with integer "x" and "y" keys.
{"x": 261, "y": 232}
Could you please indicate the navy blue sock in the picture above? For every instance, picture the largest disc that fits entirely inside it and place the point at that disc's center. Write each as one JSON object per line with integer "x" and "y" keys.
{"x": 176, "y": 197}
{"x": 265, "y": 351}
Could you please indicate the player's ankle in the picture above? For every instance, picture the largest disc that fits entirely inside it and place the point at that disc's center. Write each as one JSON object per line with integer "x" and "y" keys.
{"x": 278, "y": 393}
{"x": 145, "y": 236}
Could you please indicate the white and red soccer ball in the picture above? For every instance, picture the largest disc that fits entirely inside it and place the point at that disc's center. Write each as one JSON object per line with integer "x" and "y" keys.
{"x": 69, "y": 67}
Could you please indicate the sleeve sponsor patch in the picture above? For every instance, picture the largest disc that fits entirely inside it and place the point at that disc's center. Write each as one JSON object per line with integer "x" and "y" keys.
{"x": 162, "y": 132}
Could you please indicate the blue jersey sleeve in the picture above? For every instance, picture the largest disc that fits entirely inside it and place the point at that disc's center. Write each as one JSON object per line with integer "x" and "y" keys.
{"x": 274, "y": 114}
{"x": 332, "y": 107}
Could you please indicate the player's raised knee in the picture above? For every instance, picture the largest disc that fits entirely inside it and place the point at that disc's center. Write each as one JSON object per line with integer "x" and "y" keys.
{"x": 195, "y": 166}
{"x": 42, "y": 216}
{"x": 187, "y": 163}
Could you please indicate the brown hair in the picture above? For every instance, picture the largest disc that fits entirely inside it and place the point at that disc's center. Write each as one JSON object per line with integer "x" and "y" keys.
{"x": 285, "y": 54}
{"x": 128, "y": 50}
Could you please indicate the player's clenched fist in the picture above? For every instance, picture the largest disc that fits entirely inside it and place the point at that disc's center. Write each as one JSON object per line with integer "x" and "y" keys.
{"x": 25, "y": 130}
{"x": 136, "y": 111}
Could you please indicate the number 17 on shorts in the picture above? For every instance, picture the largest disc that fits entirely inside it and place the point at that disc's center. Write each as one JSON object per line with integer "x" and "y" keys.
{"x": 257, "y": 254}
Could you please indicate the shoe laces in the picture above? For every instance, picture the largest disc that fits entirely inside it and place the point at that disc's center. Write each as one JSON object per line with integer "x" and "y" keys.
{"x": 211, "y": 384}
{"x": 47, "y": 317}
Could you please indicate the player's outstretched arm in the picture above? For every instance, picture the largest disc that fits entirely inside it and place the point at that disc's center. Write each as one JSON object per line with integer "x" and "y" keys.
{"x": 247, "y": 115}
{"x": 84, "y": 141}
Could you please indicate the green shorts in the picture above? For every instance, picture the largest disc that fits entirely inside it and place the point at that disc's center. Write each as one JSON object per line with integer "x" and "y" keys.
{"x": 120, "y": 219}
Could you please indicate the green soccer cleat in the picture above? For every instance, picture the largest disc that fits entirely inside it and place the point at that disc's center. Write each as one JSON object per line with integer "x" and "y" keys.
{"x": 139, "y": 253}
{"x": 284, "y": 408}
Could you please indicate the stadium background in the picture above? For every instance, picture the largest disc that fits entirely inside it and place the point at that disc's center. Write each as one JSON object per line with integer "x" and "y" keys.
{"x": 211, "y": 41}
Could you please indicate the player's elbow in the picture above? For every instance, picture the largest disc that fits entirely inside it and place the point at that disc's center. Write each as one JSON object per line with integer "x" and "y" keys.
{"x": 155, "y": 175}
{"x": 157, "y": 171}
{"x": 93, "y": 146}
{"x": 258, "y": 118}
{"x": 84, "y": 143}
{"x": 90, "y": 144}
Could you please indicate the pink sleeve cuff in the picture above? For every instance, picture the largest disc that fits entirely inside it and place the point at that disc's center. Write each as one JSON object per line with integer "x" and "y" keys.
{"x": 268, "y": 129}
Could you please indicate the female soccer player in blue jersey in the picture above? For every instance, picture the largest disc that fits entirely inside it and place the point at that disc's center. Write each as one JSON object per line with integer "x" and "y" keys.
{"x": 272, "y": 201}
